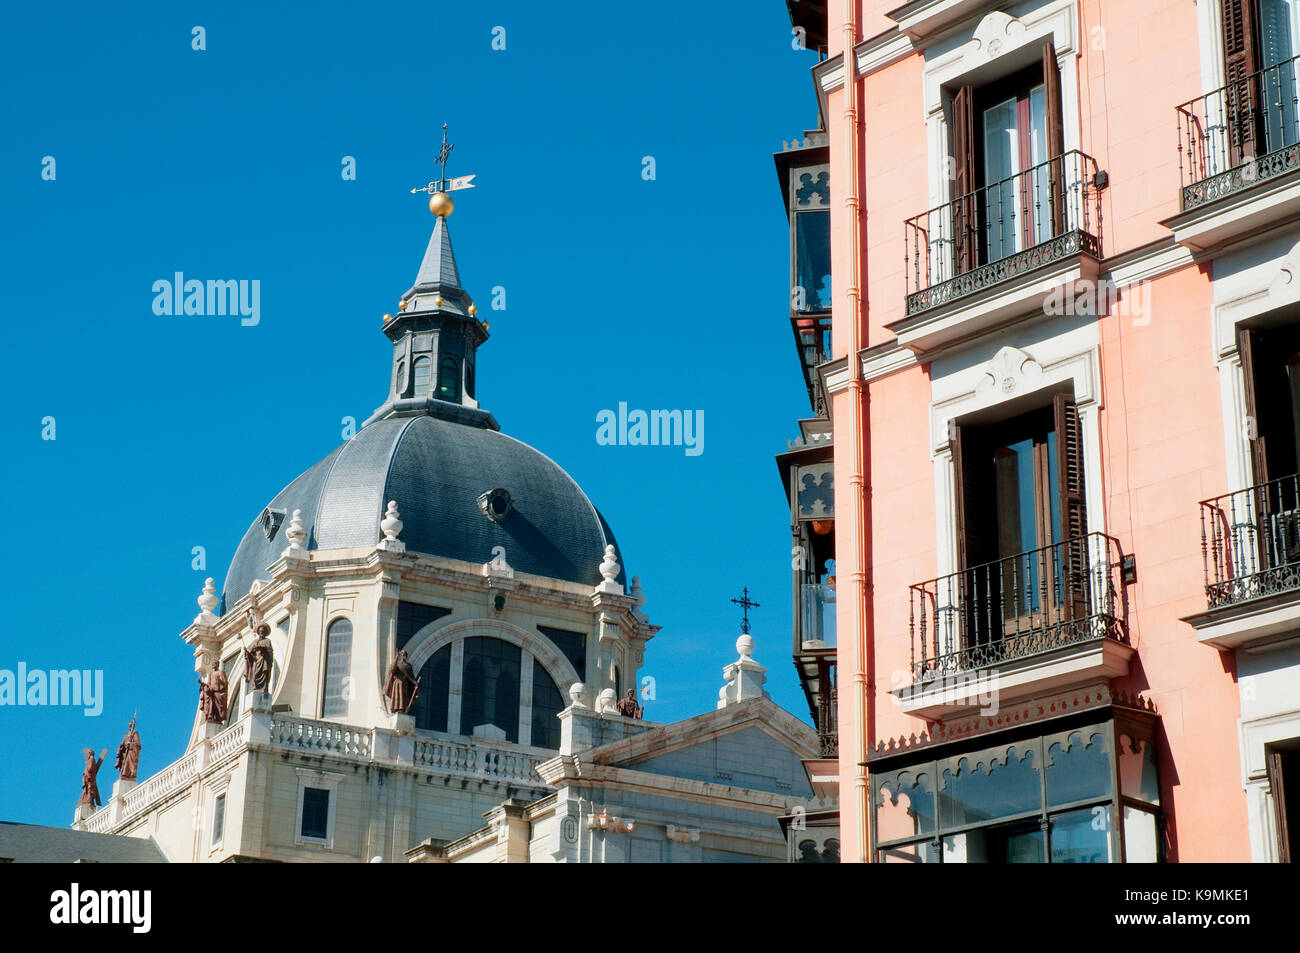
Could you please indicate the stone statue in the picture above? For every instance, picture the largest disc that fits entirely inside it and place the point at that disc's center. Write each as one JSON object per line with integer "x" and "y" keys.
{"x": 258, "y": 657}
{"x": 89, "y": 787}
{"x": 401, "y": 688}
{"x": 128, "y": 754}
{"x": 213, "y": 695}
{"x": 627, "y": 706}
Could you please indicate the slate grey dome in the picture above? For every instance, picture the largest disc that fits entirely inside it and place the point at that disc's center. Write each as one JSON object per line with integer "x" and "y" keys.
{"x": 436, "y": 470}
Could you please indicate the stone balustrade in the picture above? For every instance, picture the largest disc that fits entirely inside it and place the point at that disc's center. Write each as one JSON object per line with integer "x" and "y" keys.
{"x": 438, "y": 755}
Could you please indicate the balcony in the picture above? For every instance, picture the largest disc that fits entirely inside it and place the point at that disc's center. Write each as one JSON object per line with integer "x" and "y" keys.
{"x": 1239, "y": 159}
{"x": 1035, "y": 622}
{"x": 998, "y": 253}
{"x": 1250, "y": 544}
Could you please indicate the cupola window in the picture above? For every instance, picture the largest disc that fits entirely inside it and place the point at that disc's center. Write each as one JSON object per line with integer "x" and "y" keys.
{"x": 420, "y": 371}
{"x": 449, "y": 379}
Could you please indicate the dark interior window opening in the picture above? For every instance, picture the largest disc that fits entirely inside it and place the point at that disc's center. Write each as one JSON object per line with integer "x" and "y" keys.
{"x": 1020, "y": 519}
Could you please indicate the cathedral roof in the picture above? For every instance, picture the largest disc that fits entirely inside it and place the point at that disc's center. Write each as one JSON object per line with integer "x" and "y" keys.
{"x": 436, "y": 470}
{"x": 438, "y": 456}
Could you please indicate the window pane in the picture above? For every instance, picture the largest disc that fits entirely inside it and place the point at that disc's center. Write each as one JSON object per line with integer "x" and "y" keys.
{"x": 338, "y": 662}
{"x": 905, "y": 806}
{"x": 218, "y": 818}
{"x": 449, "y": 379}
{"x": 420, "y": 373}
{"x": 988, "y": 786}
{"x": 547, "y": 705}
{"x": 1078, "y": 768}
{"x": 1140, "y": 838}
{"x": 923, "y": 853}
{"x": 1021, "y": 843}
{"x": 1082, "y": 837}
{"x": 315, "y": 812}
{"x": 813, "y": 259}
{"x": 490, "y": 684}
{"x": 1138, "y": 777}
{"x": 430, "y": 708}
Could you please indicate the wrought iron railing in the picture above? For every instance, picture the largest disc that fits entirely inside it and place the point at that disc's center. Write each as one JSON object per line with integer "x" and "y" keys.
{"x": 1250, "y": 542}
{"x": 1242, "y": 133}
{"x": 1033, "y": 602}
{"x": 1047, "y": 212}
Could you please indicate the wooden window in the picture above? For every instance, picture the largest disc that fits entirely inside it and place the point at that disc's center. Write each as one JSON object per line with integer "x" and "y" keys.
{"x": 1270, "y": 363}
{"x": 1021, "y": 519}
{"x": 1008, "y": 194}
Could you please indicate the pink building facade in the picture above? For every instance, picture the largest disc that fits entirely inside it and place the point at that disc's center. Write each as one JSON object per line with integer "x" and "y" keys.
{"x": 1062, "y": 384}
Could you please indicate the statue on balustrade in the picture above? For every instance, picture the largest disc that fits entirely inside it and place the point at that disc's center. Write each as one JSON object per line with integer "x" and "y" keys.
{"x": 89, "y": 786}
{"x": 401, "y": 688}
{"x": 258, "y": 658}
{"x": 213, "y": 695}
{"x": 128, "y": 754}
{"x": 627, "y": 706}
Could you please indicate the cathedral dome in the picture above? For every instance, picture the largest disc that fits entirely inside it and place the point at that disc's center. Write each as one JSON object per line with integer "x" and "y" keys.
{"x": 442, "y": 473}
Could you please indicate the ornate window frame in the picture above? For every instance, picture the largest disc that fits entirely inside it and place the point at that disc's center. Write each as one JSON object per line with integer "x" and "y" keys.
{"x": 1013, "y": 374}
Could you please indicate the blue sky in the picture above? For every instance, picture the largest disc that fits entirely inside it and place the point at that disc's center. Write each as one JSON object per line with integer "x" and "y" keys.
{"x": 173, "y": 431}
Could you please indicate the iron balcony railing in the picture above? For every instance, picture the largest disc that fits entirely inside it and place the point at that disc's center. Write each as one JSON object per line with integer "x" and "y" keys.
{"x": 1047, "y": 212}
{"x": 1242, "y": 133}
{"x": 1033, "y": 602}
{"x": 1250, "y": 541}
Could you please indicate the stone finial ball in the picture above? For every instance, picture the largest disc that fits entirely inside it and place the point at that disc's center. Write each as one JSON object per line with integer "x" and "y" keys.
{"x": 745, "y": 645}
{"x": 440, "y": 204}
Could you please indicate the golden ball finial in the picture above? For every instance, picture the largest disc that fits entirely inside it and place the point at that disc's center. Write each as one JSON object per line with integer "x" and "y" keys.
{"x": 440, "y": 204}
{"x": 387, "y": 318}
{"x": 473, "y": 309}
{"x": 401, "y": 305}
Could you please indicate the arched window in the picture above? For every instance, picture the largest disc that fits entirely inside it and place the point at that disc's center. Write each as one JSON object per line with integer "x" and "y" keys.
{"x": 469, "y": 379}
{"x": 490, "y": 686}
{"x": 338, "y": 662}
{"x": 449, "y": 379}
{"x": 547, "y": 705}
{"x": 420, "y": 371}
{"x": 400, "y": 384}
{"x": 430, "y": 708}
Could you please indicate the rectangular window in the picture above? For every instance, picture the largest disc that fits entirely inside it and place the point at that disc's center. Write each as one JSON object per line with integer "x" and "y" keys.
{"x": 1020, "y": 520}
{"x": 218, "y": 818}
{"x": 315, "y": 813}
{"x": 490, "y": 686}
{"x": 1270, "y": 362}
{"x": 1009, "y": 177}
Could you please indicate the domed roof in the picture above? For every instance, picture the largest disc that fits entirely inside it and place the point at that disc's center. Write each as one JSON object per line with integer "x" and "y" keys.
{"x": 436, "y": 470}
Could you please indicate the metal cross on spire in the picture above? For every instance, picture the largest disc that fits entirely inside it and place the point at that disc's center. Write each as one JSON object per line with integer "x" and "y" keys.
{"x": 745, "y": 604}
{"x": 445, "y": 184}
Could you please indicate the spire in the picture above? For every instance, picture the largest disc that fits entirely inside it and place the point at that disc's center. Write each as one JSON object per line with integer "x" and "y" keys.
{"x": 436, "y": 332}
{"x": 437, "y": 285}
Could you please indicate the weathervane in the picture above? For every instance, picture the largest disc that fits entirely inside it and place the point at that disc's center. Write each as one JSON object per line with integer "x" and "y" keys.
{"x": 445, "y": 184}
{"x": 746, "y": 604}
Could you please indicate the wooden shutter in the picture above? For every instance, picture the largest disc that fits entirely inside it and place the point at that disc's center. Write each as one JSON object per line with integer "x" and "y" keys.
{"x": 1055, "y": 138}
{"x": 1073, "y": 553}
{"x": 1248, "y": 347}
{"x": 964, "y": 231}
{"x": 1278, "y": 791}
{"x": 977, "y": 540}
{"x": 1240, "y": 61}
